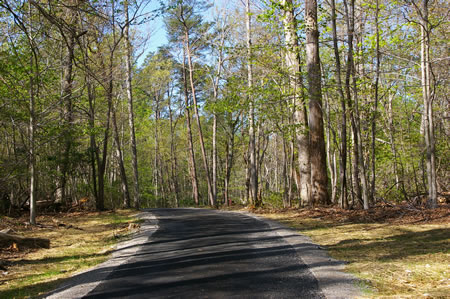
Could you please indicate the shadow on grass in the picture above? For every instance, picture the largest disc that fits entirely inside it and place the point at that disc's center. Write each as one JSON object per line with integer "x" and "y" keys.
{"x": 398, "y": 246}
{"x": 62, "y": 259}
{"x": 31, "y": 291}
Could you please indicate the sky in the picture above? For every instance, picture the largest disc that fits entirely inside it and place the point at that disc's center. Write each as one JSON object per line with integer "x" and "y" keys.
{"x": 155, "y": 28}
{"x": 157, "y": 31}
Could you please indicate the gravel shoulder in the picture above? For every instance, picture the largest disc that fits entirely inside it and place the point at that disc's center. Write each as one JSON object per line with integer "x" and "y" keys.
{"x": 84, "y": 282}
{"x": 333, "y": 282}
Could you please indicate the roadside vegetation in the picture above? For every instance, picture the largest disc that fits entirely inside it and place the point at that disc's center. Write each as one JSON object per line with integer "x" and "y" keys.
{"x": 397, "y": 252}
{"x": 78, "y": 241}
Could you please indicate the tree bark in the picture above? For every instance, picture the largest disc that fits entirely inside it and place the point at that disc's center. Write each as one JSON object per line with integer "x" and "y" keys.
{"x": 100, "y": 204}
{"x": 173, "y": 156}
{"x": 319, "y": 176}
{"x": 253, "y": 173}
{"x": 128, "y": 65}
{"x": 193, "y": 168}
{"x": 214, "y": 137}
{"x": 293, "y": 63}
{"x": 157, "y": 168}
{"x": 34, "y": 73}
{"x": 343, "y": 126}
{"x": 93, "y": 145}
{"x": 123, "y": 175}
{"x": 349, "y": 18}
{"x": 427, "y": 103}
{"x": 66, "y": 98}
{"x": 374, "y": 116}
{"x": 212, "y": 201}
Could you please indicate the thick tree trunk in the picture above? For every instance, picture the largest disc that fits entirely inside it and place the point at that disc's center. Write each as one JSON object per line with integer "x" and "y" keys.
{"x": 93, "y": 145}
{"x": 291, "y": 171}
{"x": 428, "y": 104}
{"x": 356, "y": 115}
{"x": 253, "y": 173}
{"x": 214, "y": 159}
{"x": 34, "y": 73}
{"x": 157, "y": 167}
{"x": 123, "y": 175}
{"x": 331, "y": 153}
{"x": 229, "y": 158}
{"x": 228, "y": 164}
{"x": 319, "y": 176}
{"x": 193, "y": 168}
{"x": 375, "y": 112}
{"x": 297, "y": 100}
{"x": 173, "y": 156}
{"x": 349, "y": 18}
{"x": 214, "y": 141}
{"x": 211, "y": 197}
{"x": 359, "y": 148}
{"x": 66, "y": 98}
{"x": 128, "y": 64}
{"x": 343, "y": 126}
{"x": 100, "y": 204}
{"x": 31, "y": 129}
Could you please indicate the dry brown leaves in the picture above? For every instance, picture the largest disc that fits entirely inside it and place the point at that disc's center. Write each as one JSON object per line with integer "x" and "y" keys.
{"x": 399, "y": 214}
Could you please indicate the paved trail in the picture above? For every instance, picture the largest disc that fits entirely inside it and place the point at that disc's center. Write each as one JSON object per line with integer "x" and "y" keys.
{"x": 198, "y": 253}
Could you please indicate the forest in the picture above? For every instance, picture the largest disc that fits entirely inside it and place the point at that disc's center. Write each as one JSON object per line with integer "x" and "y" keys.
{"x": 276, "y": 103}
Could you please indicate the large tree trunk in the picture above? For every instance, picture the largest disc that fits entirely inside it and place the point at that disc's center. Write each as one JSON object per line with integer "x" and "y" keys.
{"x": 214, "y": 159}
{"x": 214, "y": 141}
{"x": 253, "y": 173}
{"x": 123, "y": 175}
{"x": 173, "y": 155}
{"x": 319, "y": 176}
{"x": 428, "y": 127}
{"x": 211, "y": 197}
{"x": 193, "y": 168}
{"x": 32, "y": 128}
{"x": 356, "y": 115}
{"x": 343, "y": 126}
{"x": 100, "y": 204}
{"x": 331, "y": 153}
{"x": 93, "y": 145}
{"x": 66, "y": 98}
{"x": 229, "y": 155}
{"x": 34, "y": 73}
{"x": 134, "y": 162}
{"x": 157, "y": 168}
{"x": 375, "y": 112}
{"x": 349, "y": 18}
{"x": 297, "y": 100}
{"x": 359, "y": 148}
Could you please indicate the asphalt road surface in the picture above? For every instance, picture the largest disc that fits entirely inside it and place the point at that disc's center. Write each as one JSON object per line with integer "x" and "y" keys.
{"x": 196, "y": 253}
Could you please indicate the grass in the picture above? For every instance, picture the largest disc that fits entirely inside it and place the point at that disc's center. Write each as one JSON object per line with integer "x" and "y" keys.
{"x": 89, "y": 242}
{"x": 394, "y": 258}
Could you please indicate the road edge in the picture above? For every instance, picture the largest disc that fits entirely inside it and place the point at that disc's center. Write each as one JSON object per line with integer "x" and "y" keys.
{"x": 329, "y": 272}
{"x": 85, "y": 281}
